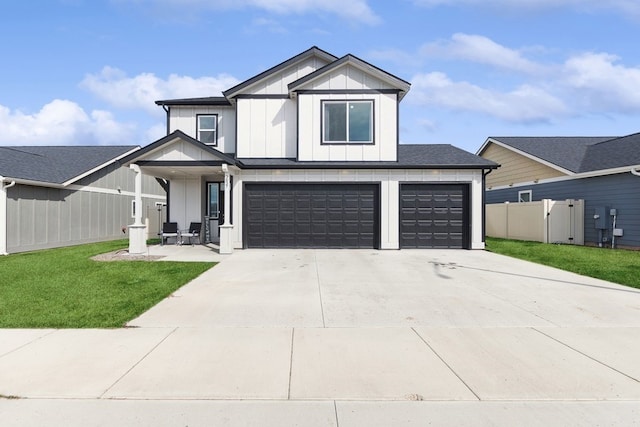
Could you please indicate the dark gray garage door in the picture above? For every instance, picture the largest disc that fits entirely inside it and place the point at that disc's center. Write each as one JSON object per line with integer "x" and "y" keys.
{"x": 287, "y": 215}
{"x": 434, "y": 216}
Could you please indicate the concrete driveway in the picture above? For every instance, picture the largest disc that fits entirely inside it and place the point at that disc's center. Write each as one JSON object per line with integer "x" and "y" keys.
{"x": 348, "y": 338}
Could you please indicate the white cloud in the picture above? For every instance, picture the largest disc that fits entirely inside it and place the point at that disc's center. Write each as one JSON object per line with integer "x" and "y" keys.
{"x": 600, "y": 84}
{"x": 61, "y": 122}
{"x": 481, "y": 49}
{"x": 141, "y": 91}
{"x": 352, "y": 10}
{"x": 631, "y": 7}
{"x": 156, "y": 132}
{"x": 525, "y": 104}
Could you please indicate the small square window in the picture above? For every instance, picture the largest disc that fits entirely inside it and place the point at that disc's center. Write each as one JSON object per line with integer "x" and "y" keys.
{"x": 208, "y": 129}
{"x": 524, "y": 196}
{"x": 347, "y": 122}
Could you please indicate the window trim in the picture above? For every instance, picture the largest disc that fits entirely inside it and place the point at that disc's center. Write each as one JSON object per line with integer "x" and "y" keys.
{"x": 323, "y": 102}
{"x": 215, "y": 130}
{"x": 523, "y": 192}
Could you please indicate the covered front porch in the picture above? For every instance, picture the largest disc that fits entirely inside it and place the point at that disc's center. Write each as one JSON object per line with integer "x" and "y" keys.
{"x": 198, "y": 182}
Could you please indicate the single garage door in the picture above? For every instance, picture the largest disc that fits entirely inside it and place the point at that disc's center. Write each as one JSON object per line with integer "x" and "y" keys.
{"x": 434, "y": 216}
{"x": 288, "y": 215}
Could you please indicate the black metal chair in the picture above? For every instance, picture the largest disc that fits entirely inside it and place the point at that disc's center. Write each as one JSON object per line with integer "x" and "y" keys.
{"x": 169, "y": 229}
{"x": 192, "y": 232}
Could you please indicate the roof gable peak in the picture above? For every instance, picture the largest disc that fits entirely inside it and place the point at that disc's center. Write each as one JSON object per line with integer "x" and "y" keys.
{"x": 401, "y": 85}
{"x": 313, "y": 51}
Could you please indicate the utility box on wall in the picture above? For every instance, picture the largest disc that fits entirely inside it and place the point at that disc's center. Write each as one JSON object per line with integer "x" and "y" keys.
{"x": 601, "y": 218}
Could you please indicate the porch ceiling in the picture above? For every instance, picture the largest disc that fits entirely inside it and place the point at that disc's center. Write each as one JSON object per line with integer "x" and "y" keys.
{"x": 172, "y": 172}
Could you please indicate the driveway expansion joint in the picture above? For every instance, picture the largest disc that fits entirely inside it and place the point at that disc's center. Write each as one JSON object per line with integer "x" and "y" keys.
{"x": 138, "y": 362}
{"x": 446, "y": 364}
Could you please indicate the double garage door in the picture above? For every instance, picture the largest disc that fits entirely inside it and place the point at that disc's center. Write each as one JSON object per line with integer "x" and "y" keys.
{"x": 297, "y": 215}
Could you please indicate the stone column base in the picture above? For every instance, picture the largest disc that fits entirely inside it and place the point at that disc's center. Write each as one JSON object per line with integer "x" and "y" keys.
{"x": 137, "y": 241}
{"x": 225, "y": 239}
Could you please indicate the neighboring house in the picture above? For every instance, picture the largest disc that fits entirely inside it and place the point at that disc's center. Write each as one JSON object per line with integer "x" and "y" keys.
{"x": 60, "y": 196}
{"x": 305, "y": 155}
{"x": 600, "y": 170}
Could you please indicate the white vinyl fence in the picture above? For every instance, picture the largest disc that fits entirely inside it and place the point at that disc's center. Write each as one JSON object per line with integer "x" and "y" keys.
{"x": 546, "y": 221}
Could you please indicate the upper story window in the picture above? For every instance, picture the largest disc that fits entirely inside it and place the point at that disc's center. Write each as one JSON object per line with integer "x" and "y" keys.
{"x": 347, "y": 122}
{"x": 208, "y": 128}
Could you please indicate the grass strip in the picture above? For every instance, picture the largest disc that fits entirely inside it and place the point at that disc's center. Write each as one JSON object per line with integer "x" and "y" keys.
{"x": 613, "y": 265}
{"x": 64, "y": 288}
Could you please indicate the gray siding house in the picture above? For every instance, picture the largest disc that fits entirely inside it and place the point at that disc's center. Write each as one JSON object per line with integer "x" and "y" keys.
{"x": 61, "y": 195}
{"x": 604, "y": 171}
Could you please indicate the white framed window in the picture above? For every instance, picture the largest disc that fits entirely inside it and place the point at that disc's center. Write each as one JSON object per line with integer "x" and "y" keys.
{"x": 207, "y": 128}
{"x": 524, "y": 196}
{"x": 347, "y": 122}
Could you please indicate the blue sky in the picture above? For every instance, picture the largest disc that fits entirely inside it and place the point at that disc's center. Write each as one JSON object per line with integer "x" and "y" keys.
{"x": 81, "y": 72}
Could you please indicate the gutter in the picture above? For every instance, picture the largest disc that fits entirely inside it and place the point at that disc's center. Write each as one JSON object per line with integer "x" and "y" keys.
{"x": 635, "y": 171}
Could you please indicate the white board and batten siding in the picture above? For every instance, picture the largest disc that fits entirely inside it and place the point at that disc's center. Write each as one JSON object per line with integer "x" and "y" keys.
{"x": 279, "y": 82}
{"x": 385, "y": 130}
{"x": 389, "y": 180}
{"x": 186, "y": 201}
{"x": 180, "y": 150}
{"x": 184, "y": 119}
{"x": 267, "y": 128}
{"x": 385, "y": 118}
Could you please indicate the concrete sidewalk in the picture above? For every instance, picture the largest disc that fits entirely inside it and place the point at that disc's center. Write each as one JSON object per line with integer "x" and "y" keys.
{"x": 348, "y": 338}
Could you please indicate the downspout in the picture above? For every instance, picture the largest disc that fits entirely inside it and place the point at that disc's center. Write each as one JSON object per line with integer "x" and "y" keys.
{"x": 635, "y": 171}
{"x": 166, "y": 110}
{"x": 3, "y": 214}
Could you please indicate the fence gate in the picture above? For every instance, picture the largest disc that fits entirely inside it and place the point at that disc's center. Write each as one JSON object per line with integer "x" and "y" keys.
{"x": 546, "y": 221}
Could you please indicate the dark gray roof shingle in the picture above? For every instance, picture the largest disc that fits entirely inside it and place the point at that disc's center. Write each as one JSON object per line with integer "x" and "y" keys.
{"x": 410, "y": 156}
{"x": 580, "y": 154}
{"x": 55, "y": 164}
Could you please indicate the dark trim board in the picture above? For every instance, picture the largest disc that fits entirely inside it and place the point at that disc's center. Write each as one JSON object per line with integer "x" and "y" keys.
{"x": 311, "y": 215}
{"x": 434, "y": 215}
{"x": 347, "y": 91}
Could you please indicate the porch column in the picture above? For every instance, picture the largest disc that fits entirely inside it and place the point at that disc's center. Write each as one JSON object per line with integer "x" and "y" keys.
{"x": 137, "y": 242}
{"x": 226, "y": 228}
{"x": 3, "y": 214}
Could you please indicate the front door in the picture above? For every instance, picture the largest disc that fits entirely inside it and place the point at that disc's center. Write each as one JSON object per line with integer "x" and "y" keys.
{"x": 214, "y": 212}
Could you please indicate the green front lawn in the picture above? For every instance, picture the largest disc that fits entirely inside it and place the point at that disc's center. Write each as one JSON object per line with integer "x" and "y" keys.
{"x": 64, "y": 288}
{"x": 614, "y": 265}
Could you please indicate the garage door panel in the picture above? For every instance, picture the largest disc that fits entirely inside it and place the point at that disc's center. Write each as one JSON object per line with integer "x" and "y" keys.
{"x": 311, "y": 215}
{"x": 433, "y": 215}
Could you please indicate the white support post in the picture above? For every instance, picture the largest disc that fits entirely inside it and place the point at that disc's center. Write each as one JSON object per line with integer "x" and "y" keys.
{"x": 226, "y": 228}
{"x": 137, "y": 242}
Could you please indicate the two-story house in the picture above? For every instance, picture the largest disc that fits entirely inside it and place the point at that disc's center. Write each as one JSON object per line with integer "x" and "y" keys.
{"x": 306, "y": 155}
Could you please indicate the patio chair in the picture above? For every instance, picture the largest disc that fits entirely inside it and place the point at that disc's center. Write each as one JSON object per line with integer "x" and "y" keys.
{"x": 169, "y": 229}
{"x": 192, "y": 232}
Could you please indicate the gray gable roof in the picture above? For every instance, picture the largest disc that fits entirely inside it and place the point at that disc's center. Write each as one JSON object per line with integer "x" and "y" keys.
{"x": 177, "y": 134}
{"x": 401, "y": 85}
{"x": 579, "y": 154}
{"x": 56, "y": 164}
{"x": 313, "y": 51}
{"x": 410, "y": 156}
{"x": 613, "y": 153}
